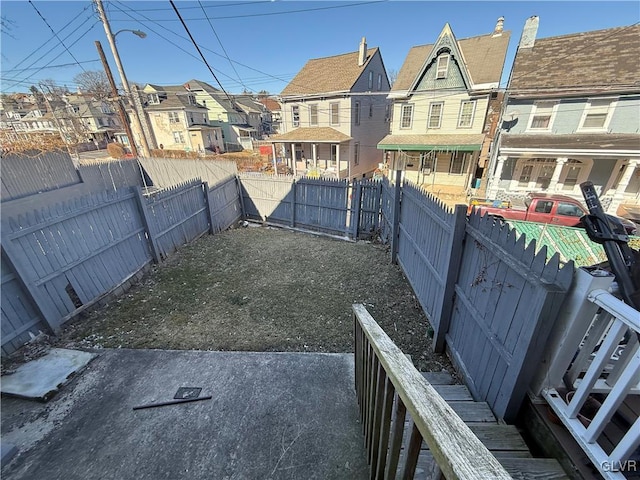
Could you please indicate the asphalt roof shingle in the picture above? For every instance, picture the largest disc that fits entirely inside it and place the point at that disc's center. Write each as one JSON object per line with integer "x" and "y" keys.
{"x": 602, "y": 57}
{"x": 329, "y": 74}
{"x": 484, "y": 56}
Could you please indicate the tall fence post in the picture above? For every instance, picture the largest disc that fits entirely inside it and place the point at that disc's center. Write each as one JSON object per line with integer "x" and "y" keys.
{"x": 206, "y": 202}
{"x": 395, "y": 229}
{"x": 144, "y": 215}
{"x": 240, "y": 196}
{"x": 293, "y": 203}
{"x": 356, "y": 206}
{"x": 52, "y": 318}
{"x": 453, "y": 267}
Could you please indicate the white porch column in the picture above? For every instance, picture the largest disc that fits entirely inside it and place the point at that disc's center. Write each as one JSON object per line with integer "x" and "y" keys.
{"x": 553, "y": 183}
{"x": 494, "y": 182}
{"x": 338, "y": 160}
{"x": 314, "y": 153}
{"x": 618, "y": 197}
{"x": 275, "y": 161}
{"x": 293, "y": 159}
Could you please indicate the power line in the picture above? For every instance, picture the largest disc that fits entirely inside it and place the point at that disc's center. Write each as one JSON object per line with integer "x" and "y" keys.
{"x": 217, "y": 5}
{"x": 56, "y": 35}
{"x": 54, "y": 59}
{"x": 189, "y": 53}
{"x": 199, "y": 51}
{"x": 49, "y": 66}
{"x": 47, "y": 42}
{"x": 279, "y": 13}
{"x": 222, "y": 46}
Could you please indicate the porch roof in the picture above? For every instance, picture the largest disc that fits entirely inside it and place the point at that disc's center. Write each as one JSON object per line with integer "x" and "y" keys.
{"x": 463, "y": 142}
{"x": 312, "y": 134}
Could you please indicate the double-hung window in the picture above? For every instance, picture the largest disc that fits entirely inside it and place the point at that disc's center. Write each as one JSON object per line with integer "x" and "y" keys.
{"x": 596, "y": 114}
{"x": 356, "y": 154}
{"x": 435, "y": 115}
{"x": 406, "y": 116}
{"x": 313, "y": 115}
{"x": 295, "y": 113}
{"x": 334, "y": 112}
{"x": 442, "y": 66}
{"x": 542, "y": 115}
{"x": 467, "y": 110}
{"x": 174, "y": 117}
{"x": 356, "y": 113}
{"x": 178, "y": 137}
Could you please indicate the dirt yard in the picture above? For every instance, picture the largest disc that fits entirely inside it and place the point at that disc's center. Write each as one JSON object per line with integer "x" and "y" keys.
{"x": 262, "y": 289}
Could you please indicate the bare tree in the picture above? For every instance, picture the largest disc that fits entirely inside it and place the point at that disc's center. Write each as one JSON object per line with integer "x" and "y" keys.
{"x": 94, "y": 82}
{"x": 393, "y": 76}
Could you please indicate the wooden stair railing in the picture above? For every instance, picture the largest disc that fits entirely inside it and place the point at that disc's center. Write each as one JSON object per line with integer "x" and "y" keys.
{"x": 381, "y": 371}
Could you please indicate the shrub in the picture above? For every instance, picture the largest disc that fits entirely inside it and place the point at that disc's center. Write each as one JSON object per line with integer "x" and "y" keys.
{"x": 116, "y": 150}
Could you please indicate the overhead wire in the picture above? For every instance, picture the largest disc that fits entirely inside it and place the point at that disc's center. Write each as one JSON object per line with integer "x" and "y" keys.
{"x": 56, "y": 35}
{"x": 47, "y": 42}
{"x": 200, "y": 51}
{"x": 222, "y": 46}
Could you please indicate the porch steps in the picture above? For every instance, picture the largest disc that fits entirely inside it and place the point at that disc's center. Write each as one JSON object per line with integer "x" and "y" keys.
{"x": 504, "y": 441}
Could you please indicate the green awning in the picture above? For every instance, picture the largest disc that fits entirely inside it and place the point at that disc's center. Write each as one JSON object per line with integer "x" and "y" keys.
{"x": 458, "y": 148}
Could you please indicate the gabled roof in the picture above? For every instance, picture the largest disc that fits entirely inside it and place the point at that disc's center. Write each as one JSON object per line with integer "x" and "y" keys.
{"x": 329, "y": 74}
{"x": 484, "y": 56}
{"x": 248, "y": 104}
{"x": 195, "y": 85}
{"x": 177, "y": 97}
{"x": 607, "y": 58}
{"x": 271, "y": 104}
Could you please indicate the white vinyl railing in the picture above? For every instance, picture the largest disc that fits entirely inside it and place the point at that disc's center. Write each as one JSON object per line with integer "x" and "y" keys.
{"x": 607, "y": 363}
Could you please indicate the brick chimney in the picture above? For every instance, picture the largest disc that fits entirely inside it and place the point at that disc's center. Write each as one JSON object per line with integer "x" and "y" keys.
{"x": 499, "y": 27}
{"x": 529, "y": 32}
{"x": 362, "y": 53}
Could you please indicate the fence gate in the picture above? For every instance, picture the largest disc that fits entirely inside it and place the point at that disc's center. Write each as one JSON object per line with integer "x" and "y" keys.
{"x": 506, "y": 299}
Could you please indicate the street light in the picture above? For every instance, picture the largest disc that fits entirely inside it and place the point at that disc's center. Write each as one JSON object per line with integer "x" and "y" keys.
{"x": 139, "y": 33}
{"x": 111, "y": 38}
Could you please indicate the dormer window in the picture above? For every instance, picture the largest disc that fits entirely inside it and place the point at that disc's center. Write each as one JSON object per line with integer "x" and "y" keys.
{"x": 153, "y": 99}
{"x": 542, "y": 115}
{"x": 442, "y": 66}
{"x": 191, "y": 99}
{"x": 105, "y": 108}
{"x": 597, "y": 114}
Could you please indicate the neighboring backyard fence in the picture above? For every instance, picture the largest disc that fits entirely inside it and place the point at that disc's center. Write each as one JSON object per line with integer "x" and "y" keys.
{"x": 333, "y": 207}
{"x": 167, "y": 172}
{"x": 27, "y": 174}
{"x": 62, "y": 258}
{"x": 490, "y": 299}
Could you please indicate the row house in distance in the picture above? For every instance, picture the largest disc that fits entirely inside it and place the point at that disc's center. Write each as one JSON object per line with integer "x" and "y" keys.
{"x": 238, "y": 116}
{"x": 445, "y": 107}
{"x": 334, "y": 112}
{"x": 572, "y": 114}
{"x": 178, "y": 121}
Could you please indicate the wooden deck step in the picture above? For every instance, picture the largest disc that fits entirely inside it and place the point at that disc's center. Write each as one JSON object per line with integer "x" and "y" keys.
{"x": 518, "y": 468}
{"x": 439, "y": 378}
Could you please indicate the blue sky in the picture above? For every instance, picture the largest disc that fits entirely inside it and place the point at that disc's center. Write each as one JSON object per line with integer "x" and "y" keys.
{"x": 259, "y": 45}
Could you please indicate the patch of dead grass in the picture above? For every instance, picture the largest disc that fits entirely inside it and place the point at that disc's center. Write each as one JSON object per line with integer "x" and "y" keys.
{"x": 262, "y": 289}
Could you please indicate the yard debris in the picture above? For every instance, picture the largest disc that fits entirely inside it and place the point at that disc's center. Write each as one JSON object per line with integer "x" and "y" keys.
{"x": 171, "y": 402}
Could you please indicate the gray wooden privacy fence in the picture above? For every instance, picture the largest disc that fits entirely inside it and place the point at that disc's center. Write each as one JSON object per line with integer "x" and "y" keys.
{"x": 329, "y": 206}
{"x": 167, "y": 172}
{"x": 26, "y": 174}
{"x": 490, "y": 300}
{"x": 113, "y": 175}
{"x": 62, "y": 258}
{"x": 507, "y": 298}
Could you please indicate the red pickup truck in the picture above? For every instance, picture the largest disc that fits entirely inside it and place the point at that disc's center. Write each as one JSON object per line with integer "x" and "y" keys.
{"x": 547, "y": 208}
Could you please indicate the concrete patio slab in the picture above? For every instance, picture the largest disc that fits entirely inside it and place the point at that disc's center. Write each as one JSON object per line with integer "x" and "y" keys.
{"x": 39, "y": 379}
{"x": 272, "y": 416}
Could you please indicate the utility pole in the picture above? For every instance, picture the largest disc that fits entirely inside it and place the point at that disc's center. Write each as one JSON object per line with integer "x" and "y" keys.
{"x": 114, "y": 92}
{"x": 125, "y": 84}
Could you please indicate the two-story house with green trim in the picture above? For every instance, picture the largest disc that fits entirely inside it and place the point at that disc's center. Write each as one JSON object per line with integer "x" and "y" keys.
{"x": 443, "y": 97}
{"x": 334, "y": 113}
{"x": 572, "y": 114}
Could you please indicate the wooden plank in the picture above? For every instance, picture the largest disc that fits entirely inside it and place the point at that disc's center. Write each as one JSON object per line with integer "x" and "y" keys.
{"x": 458, "y": 451}
{"x": 438, "y": 378}
{"x": 377, "y": 471}
{"x": 396, "y": 438}
{"x": 412, "y": 453}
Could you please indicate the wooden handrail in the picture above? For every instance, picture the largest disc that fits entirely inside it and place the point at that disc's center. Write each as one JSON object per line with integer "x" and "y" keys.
{"x": 458, "y": 453}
